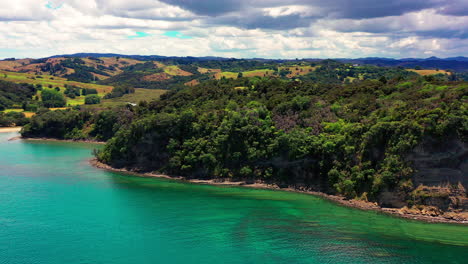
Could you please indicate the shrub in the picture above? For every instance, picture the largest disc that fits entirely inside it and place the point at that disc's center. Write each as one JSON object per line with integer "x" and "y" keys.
{"x": 52, "y": 98}
{"x": 92, "y": 99}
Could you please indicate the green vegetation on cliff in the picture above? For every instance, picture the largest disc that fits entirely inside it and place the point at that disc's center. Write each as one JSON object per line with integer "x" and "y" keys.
{"x": 349, "y": 139}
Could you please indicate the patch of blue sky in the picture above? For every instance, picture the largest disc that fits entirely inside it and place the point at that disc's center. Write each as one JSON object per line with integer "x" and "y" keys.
{"x": 8, "y": 53}
{"x": 139, "y": 34}
{"x": 176, "y": 34}
{"x": 53, "y": 6}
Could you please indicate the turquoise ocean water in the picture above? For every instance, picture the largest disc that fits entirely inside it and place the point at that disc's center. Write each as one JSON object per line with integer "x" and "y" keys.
{"x": 57, "y": 209}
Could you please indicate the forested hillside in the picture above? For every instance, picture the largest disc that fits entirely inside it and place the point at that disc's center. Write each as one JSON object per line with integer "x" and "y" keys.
{"x": 352, "y": 139}
{"x": 12, "y": 94}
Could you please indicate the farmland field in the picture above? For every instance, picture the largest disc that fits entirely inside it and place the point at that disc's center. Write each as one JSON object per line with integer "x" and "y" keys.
{"x": 176, "y": 71}
{"x": 49, "y": 82}
{"x": 228, "y": 75}
{"x": 27, "y": 114}
{"x": 139, "y": 95}
{"x": 430, "y": 72}
{"x": 258, "y": 73}
{"x": 297, "y": 70}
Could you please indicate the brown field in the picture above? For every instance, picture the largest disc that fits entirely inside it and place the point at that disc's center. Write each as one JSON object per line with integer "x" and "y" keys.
{"x": 192, "y": 83}
{"x": 24, "y": 65}
{"x": 258, "y": 73}
{"x": 227, "y": 75}
{"x": 9, "y": 65}
{"x": 13, "y": 65}
{"x": 29, "y": 114}
{"x": 53, "y": 81}
{"x": 159, "y": 64}
{"x": 206, "y": 70}
{"x": 298, "y": 70}
{"x": 176, "y": 71}
{"x": 121, "y": 61}
{"x": 26, "y": 114}
{"x": 58, "y": 108}
{"x": 70, "y": 71}
{"x": 97, "y": 76}
{"x": 430, "y": 72}
{"x": 112, "y": 61}
{"x": 157, "y": 77}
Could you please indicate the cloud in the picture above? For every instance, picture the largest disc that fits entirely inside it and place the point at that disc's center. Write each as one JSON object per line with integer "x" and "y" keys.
{"x": 257, "y": 20}
{"x": 236, "y": 28}
{"x": 455, "y": 8}
{"x": 329, "y": 8}
{"x": 54, "y": 5}
{"x": 176, "y": 34}
{"x": 139, "y": 34}
{"x": 24, "y": 10}
{"x": 208, "y": 7}
{"x": 426, "y": 23}
{"x": 144, "y": 9}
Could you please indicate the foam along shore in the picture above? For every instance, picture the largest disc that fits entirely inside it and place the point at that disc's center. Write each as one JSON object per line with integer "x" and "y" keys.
{"x": 63, "y": 140}
{"x": 449, "y": 217}
{"x": 9, "y": 129}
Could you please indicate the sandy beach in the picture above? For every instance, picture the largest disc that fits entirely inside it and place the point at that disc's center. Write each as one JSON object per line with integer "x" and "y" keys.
{"x": 9, "y": 129}
{"x": 449, "y": 217}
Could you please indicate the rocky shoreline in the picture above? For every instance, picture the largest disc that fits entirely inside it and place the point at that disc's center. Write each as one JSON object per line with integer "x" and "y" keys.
{"x": 426, "y": 214}
{"x": 60, "y": 140}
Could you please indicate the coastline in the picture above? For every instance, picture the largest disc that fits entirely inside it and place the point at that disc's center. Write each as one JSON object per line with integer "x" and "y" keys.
{"x": 10, "y": 129}
{"x": 448, "y": 217}
{"x": 60, "y": 140}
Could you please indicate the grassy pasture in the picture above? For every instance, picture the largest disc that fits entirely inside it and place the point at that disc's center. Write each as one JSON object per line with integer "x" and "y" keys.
{"x": 47, "y": 80}
{"x": 139, "y": 95}
{"x": 26, "y": 114}
{"x": 176, "y": 71}
{"x": 54, "y": 81}
{"x": 228, "y": 75}
{"x": 429, "y": 72}
{"x": 297, "y": 70}
{"x": 206, "y": 70}
{"x": 258, "y": 73}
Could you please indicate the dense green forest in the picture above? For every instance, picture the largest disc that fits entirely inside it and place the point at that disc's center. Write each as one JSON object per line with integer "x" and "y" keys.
{"x": 12, "y": 119}
{"x": 344, "y": 138}
{"x": 12, "y": 94}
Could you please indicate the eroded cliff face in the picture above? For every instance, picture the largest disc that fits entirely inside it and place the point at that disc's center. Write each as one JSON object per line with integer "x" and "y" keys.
{"x": 439, "y": 162}
{"x": 441, "y": 174}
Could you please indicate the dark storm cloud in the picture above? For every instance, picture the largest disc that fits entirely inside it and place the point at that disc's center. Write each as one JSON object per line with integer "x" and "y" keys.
{"x": 358, "y": 9}
{"x": 445, "y": 33}
{"x": 249, "y": 14}
{"x": 260, "y": 21}
{"x": 337, "y": 8}
{"x": 208, "y": 7}
{"x": 455, "y": 8}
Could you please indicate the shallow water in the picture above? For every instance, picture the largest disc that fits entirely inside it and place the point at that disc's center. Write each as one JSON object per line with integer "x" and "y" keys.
{"x": 56, "y": 208}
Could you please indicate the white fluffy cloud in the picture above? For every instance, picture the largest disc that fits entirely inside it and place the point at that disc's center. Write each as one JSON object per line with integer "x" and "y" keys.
{"x": 265, "y": 28}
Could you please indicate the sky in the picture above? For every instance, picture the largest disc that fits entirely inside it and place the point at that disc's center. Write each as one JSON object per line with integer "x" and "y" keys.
{"x": 236, "y": 28}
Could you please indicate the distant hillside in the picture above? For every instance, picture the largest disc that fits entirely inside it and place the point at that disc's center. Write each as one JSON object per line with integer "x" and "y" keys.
{"x": 74, "y": 69}
{"x": 455, "y": 63}
{"x": 138, "y": 57}
{"x": 160, "y": 72}
{"x": 459, "y": 63}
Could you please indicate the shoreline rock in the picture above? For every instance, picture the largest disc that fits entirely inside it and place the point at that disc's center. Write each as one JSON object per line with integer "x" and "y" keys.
{"x": 429, "y": 215}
